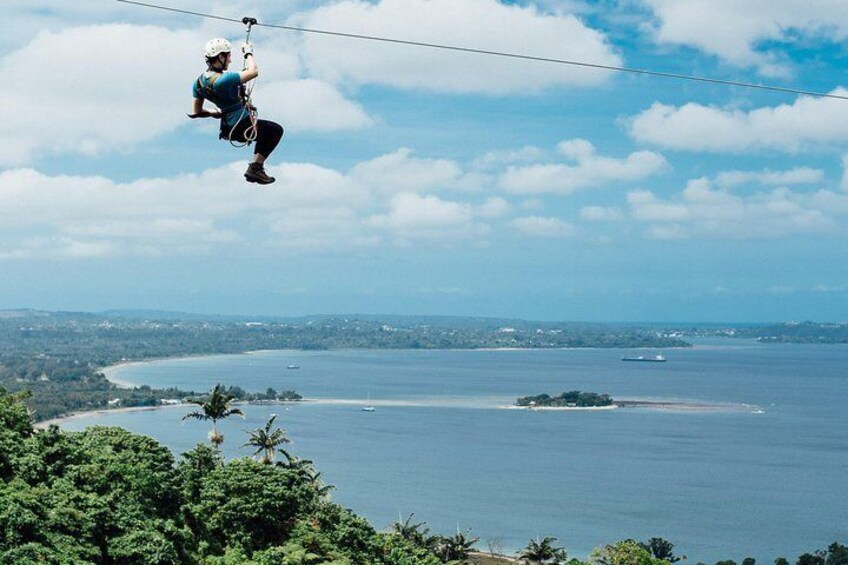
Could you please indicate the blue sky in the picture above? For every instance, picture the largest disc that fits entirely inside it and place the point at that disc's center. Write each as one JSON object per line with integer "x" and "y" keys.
{"x": 415, "y": 181}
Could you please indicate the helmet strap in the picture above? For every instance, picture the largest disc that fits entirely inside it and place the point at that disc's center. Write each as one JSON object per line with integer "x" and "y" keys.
{"x": 218, "y": 63}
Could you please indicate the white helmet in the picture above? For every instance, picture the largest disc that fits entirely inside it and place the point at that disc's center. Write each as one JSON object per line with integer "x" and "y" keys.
{"x": 215, "y": 47}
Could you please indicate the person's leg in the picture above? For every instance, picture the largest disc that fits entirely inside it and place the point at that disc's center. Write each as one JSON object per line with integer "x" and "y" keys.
{"x": 267, "y": 137}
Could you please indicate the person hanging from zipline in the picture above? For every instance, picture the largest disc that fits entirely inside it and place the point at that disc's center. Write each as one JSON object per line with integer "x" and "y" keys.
{"x": 228, "y": 91}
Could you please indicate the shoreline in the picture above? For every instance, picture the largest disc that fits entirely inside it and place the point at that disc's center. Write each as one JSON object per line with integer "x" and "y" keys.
{"x": 110, "y": 370}
{"x": 655, "y": 405}
{"x": 82, "y": 414}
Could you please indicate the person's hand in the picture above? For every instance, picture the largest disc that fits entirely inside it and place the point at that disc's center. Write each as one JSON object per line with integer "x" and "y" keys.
{"x": 247, "y": 49}
{"x": 204, "y": 114}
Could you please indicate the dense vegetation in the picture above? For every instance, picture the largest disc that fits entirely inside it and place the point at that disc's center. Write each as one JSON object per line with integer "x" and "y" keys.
{"x": 570, "y": 399}
{"x": 61, "y": 385}
{"x": 107, "y": 496}
{"x": 108, "y": 339}
{"x": 806, "y": 332}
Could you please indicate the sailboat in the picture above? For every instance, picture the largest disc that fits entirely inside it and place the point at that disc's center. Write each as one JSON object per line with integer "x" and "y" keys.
{"x": 369, "y": 407}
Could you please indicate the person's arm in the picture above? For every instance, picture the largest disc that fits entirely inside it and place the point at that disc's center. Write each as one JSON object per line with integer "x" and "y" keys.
{"x": 252, "y": 71}
{"x": 197, "y": 110}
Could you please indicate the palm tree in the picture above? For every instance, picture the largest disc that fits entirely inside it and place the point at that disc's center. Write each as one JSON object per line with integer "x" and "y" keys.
{"x": 456, "y": 547}
{"x": 216, "y": 407}
{"x": 544, "y": 552}
{"x": 306, "y": 471}
{"x": 267, "y": 442}
{"x": 414, "y": 532}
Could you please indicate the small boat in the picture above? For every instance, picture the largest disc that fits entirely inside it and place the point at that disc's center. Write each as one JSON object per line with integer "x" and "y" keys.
{"x": 368, "y": 409}
{"x": 293, "y": 367}
{"x": 655, "y": 359}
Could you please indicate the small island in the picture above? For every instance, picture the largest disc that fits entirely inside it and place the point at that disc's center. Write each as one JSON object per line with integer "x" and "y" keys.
{"x": 571, "y": 399}
{"x": 577, "y": 400}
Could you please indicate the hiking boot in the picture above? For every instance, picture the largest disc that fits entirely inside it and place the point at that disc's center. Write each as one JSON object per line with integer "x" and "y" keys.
{"x": 256, "y": 173}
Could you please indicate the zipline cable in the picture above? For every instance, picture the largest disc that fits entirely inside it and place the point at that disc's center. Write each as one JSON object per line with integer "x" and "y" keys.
{"x": 633, "y": 70}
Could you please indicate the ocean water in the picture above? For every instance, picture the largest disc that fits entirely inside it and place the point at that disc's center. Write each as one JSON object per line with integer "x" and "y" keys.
{"x": 764, "y": 475}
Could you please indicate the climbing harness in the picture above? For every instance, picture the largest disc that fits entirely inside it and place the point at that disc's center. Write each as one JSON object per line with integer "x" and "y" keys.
{"x": 245, "y": 92}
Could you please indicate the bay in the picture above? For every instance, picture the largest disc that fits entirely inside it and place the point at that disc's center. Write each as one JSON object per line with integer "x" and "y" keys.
{"x": 763, "y": 476}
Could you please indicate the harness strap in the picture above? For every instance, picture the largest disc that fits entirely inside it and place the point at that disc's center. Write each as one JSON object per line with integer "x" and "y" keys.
{"x": 208, "y": 86}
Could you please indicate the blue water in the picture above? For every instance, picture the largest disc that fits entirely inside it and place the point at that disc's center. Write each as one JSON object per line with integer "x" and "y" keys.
{"x": 721, "y": 484}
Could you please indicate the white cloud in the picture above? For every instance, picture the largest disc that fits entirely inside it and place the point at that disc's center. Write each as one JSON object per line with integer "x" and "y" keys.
{"x": 666, "y": 232}
{"x": 804, "y": 124}
{"x": 92, "y": 91}
{"x": 309, "y": 104}
{"x": 494, "y": 207}
{"x": 498, "y": 158}
{"x": 600, "y": 214}
{"x": 798, "y": 175}
{"x": 58, "y": 248}
{"x": 77, "y": 217}
{"x": 590, "y": 170}
{"x": 736, "y": 31}
{"x": 702, "y": 209}
{"x": 481, "y": 24}
{"x": 319, "y": 228}
{"x": 95, "y": 91}
{"x": 414, "y": 216}
{"x": 533, "y": 204}
{"x": 647, "y": 207}
{"x": 543, "y": 227}
{"x": 401, "y": 172}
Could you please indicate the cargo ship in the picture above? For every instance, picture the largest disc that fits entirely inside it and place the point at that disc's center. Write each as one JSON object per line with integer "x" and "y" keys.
{"x": 655, "y": 359}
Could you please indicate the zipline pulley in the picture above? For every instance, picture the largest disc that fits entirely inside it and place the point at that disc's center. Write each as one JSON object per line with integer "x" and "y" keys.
{"x": 249, "y": 22}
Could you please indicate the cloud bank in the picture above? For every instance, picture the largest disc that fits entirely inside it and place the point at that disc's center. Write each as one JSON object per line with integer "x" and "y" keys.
{"x": 807, "y": 123}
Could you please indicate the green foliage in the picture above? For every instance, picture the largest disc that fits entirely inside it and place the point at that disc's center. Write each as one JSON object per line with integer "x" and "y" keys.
{"x": 566, "y": 399}
{"x": 399, "y": 551}
{"x": 792, "y": 332}
{"x": 215, "y": 407}
{"x": 267, "y": 441}
{"x": 454, "y": 548}
{"x": 626, "y": 552}
{"x": 143, "y": 546}
{"x": 544, "y": 552}
{"x": 251, "y": 505}
{"x": 837, "y": 554}
{"x": 415, "y": 533}
{"x": 664, "y": 549}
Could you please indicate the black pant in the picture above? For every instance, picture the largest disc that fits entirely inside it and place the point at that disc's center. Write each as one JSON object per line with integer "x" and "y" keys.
{"x": 268, "y": 134}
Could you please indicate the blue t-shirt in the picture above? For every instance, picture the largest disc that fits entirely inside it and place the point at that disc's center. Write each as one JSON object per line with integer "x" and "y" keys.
{"x": 223, "y": 91}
